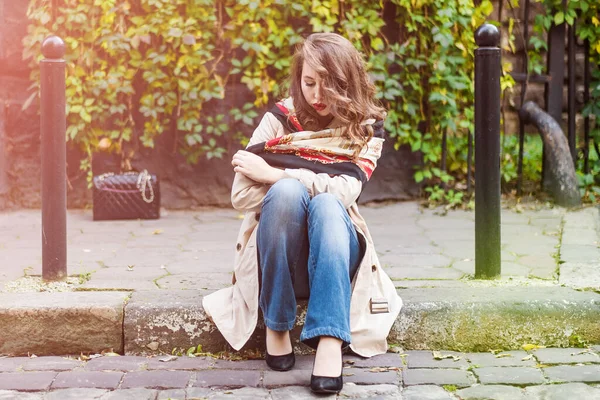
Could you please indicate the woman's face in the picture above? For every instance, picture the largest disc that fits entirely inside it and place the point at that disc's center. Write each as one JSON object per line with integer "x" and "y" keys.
{"x": 312, "y": 90}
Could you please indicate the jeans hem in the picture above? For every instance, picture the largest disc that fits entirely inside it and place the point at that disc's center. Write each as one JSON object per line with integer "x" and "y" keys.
{"x": 306, "y": 336}
{"x": 279, "y": 326}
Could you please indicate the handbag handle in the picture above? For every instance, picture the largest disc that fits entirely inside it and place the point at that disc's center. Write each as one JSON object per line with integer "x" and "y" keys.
{"x": 144, "y": 179}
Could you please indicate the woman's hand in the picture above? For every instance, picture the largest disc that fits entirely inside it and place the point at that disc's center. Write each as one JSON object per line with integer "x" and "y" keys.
{"x": 255, "y": 167}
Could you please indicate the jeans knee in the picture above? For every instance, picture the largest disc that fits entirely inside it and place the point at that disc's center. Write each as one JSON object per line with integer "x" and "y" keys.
{"x": 285, "y": 201}
{"x": 325, "y": 205}
{"x": 287, "y": 191}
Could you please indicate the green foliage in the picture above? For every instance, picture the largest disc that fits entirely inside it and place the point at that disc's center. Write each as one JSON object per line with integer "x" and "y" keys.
{"x": 532, "y": 156}
{"x": 426, "y": 82}
{"x": 138, "y": 69}
{"x": 587, "y": 15}
{"x": 589, "y": 183}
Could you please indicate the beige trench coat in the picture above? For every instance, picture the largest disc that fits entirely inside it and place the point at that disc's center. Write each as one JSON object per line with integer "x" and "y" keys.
{"x": 234, "y": 310}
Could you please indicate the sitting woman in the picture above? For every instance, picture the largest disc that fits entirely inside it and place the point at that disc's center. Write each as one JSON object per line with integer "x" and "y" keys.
{"x": 302, "y": 236}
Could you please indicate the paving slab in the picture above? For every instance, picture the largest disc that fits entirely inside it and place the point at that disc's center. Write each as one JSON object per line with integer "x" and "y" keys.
{"x": 426, "y": 392}
{"x": 131, "y": 394}
{"x": 241, "y": 394}
{"x": 296, "y": 393}
{"x": 171, "y": 394}
{"x": 425, "y": 359}
{"x": 12, "y": 364}
{"x": 580, "y": 275}
{"x": 509, "y": 376}
{"x": 381, "y": 360}
{"x": 457, "y": 377}
{"x": 76, "y": 394}
{"x": 26, "y": 381}
{"x": 228, "y": 379}
{"x": 198, "y": 393}
{"x": 181, "y": 363}
{"x": 563, "y": 392}
{"x": 370, "y": 391}
{"x": 362, "y": 376}
{"x": 51, "y": 364}
{"x": 13, "y": 394}
{"x": 426, "y": 271}
{"x": 492, "y": 392}
{"x": 156, "y": 379}
{"x": 565, "y": 356}
{"x": 87, "y": 379}
{"x": 89, "y": 322}
{"x": 573, "y": 373}
{"x": 121, "y": 363}
{"x": 275, "y": 379}
{"x": 501, "y": 359}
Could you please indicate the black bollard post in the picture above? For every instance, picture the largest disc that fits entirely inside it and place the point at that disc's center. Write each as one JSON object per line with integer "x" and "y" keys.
{"x": 54, "y": 151}
{"x": 487, "y": 152}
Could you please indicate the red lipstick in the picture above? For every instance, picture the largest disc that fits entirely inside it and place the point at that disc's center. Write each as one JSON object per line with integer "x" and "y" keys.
{"x": 319, "y": 106}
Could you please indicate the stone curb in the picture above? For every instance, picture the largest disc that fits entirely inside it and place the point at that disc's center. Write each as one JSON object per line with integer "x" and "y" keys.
{"x": 472, "y": 319}
{"x": 61, "y": 323}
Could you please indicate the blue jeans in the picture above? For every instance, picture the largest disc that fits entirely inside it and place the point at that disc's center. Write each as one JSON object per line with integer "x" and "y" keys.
{"x": 294, "y": 232}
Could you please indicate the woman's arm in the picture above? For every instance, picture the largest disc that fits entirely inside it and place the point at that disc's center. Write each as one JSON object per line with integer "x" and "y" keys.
{"x": 247, "y": 194}
{"x": 344, "y": 187}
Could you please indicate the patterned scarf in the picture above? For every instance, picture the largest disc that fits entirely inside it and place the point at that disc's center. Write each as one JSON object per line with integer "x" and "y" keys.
{"x": 324, "y": 151}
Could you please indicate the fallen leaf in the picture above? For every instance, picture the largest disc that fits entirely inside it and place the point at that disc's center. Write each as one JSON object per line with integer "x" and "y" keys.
{"x": 157, "y": 232}
{"x": 92, "y": 356}
{"x": 527, "y": 357}
{"x": 378, "y": 369}
{"x": 351, "y": 362}
{"x": 503, "y": 355}
{"x": 529, "y": 346}
{"x": 130, "y": 267}
{"x": 168, "y": 359}
{"x": 33, "y": 356}
{"x": 111, "y": 354}
{"x": 348, "y": 374}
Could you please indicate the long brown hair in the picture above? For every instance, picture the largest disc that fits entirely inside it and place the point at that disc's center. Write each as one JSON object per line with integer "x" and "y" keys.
{"x": 346, "y": 86}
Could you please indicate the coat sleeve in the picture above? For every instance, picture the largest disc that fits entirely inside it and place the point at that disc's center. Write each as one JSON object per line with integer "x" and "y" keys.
{"x": 247, "y": 194}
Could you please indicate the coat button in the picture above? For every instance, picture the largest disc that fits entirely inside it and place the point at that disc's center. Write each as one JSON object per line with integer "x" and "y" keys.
{"x": 238, "y": 246}
{"x": 373, "y": 268}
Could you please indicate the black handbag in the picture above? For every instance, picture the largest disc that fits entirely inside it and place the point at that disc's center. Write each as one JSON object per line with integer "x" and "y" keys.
{"x": 130, "y": 195}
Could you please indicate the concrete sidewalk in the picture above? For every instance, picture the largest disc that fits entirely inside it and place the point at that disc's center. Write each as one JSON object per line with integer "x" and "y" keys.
{"x": 150, "y": 275}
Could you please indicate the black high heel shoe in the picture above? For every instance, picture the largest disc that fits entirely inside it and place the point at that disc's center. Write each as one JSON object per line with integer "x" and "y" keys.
{"x": 281, "y": 363}
{"x": 327, "y": 384}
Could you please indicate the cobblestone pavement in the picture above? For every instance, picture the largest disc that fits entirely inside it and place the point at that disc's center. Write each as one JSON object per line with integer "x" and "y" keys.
{"x": 417, "y": 247}
{"x": 539, "y": 374}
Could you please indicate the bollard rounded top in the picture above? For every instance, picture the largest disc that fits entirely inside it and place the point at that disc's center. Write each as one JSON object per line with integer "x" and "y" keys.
{"x": 53, "y": 47}
{"x": 487, "y": 35}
